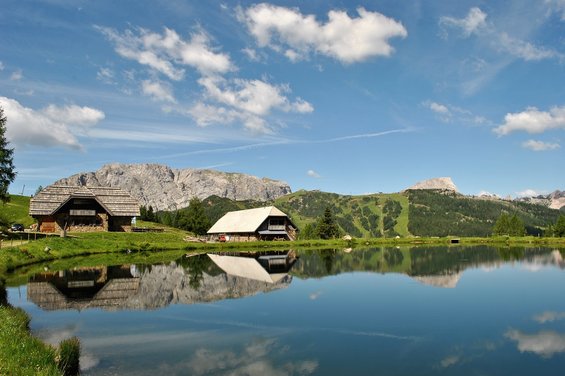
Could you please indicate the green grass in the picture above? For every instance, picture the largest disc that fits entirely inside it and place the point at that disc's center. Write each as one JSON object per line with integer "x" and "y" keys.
{"x": 20, "y": 352}
{"x": 16, "y": 211}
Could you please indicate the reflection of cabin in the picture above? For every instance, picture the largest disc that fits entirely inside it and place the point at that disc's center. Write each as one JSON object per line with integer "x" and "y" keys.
{"x": 95, "y": 287}
{"x": 268, "y": 223}
{"x": 83, "y": 209}
{"x": 270, "y": 268}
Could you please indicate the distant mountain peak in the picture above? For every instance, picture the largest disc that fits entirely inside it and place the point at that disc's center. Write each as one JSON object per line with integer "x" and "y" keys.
{"x": 444, "y": 183}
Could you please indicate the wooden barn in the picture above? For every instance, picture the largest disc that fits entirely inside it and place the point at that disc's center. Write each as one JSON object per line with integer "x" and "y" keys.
{"x": 267, "y": 223}
{"x": 83, "y": 209}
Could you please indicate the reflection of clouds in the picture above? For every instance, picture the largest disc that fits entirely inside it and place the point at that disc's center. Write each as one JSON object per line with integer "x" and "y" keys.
{"x": 315, "y": 295}
{"x": 544, "y": 344}
{"x": 252, "y": 361}
{"x": 549, "y": 316}
{"x": 54, "y": 337}
{"x": 450, "y": 361}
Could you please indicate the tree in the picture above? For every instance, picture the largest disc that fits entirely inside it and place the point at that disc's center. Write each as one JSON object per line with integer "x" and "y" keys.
{"x": 559, "y": 227}
{"x": 506, "y": 225}
{"x": 327, "y": 227}
{"x": 7, "y": 172}
{"x": 194, "y": 219}
{"x": 502, "y": 225}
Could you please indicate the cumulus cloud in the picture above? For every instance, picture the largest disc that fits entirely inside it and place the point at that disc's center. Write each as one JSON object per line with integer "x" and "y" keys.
{"x": 532, "y": 120}
{"x": 167, "y": 53}
{"x": 313, "y": 174}
{"x": 158, "y": 90}
{"x": 536, "y": 145}
{"x": 549, "y": 316}
{"x": 545, "y": 343}
{"x": 346, "y": 39}
{"x": 439, "y": 108}
{"x": 51, "y": 126}
{"x": 246, "y": 100}
{"x": 474, "y": 22}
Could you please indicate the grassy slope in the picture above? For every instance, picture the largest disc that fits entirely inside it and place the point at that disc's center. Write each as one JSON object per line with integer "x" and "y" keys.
{"x": 16, "y": 211}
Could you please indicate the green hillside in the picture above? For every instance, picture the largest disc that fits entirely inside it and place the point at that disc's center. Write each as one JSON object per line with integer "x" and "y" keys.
{"x": 435, "y": 213}
{"x": 410, "y": 213}
{"x": 15, "y": 211}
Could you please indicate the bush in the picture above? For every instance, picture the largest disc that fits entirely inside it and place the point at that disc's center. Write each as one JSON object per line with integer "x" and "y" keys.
{"x": 69, "y": 355}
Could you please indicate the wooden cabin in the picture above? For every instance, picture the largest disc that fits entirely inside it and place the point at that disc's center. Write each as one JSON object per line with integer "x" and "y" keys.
{"x": 267, "y": 223}
{"x": 83, "y": 209}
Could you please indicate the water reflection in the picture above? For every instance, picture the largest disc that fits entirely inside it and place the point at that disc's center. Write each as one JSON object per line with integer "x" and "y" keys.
{"x": 425, "y": 311}
{"x": 194, "y": 279}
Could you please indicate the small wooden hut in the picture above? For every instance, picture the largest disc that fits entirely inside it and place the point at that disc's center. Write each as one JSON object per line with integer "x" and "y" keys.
{"x": 83, "y": 209}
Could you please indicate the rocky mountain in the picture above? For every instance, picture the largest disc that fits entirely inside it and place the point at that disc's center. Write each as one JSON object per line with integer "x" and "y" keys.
{"x": 445, "y": 184}
{"x": 166, "y": 188}
{"x": 554, "y": 200}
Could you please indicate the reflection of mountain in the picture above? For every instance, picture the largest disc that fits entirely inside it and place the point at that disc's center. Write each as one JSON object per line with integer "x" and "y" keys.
{"x": 191, "y": 280}
{"x": 435, "y": 266}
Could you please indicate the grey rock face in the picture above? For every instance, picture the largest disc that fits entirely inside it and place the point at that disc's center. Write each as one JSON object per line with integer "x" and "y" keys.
{"x": 554, "y": 200}
{"x": 165, "y": 188}
{"x": 437, "y": 183}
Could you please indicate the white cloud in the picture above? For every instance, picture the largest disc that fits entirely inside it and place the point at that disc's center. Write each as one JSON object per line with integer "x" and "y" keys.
{"x": 523, "y": 49}
{"x": 540, "y": 145}
{"x": 1, "y": 66}
{"x": 557, "y": 6}
{"x": 549, "y": 316}
{"x": 532, "y": 121}
{"x": 246, "y": 100}
{"x": 251, "y": 54}
{"x": 159, "y": 91}
{"x": 168, "y": 52}
{"x": 349, "y": 40}
{"x": 17, "y": 75}
{"x": 474, "y": 22}
{"x": 545, "y": 343}
{"x": 313, "y": 174}
{"x": 450, "y": 361}
{"x": 439, "y": 108}
{"x": 105, "y": 75}
{"x": 51, "y": 126}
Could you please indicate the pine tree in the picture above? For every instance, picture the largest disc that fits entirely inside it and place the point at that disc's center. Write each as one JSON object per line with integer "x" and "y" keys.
{"x": 327, "y": 227}
{"x": 194, "y": 219}
{"x": 7, "y": 173}
{"x": 502, "y": 225}
{"x": 559, "y": 228}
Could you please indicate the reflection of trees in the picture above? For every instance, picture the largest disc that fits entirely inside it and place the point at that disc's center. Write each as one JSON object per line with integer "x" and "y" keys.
{"x": 329, "y": 258}
{"x": 196, "y": 266}
{"x": 393, "y": 256}
{"x": 511, "y": 253}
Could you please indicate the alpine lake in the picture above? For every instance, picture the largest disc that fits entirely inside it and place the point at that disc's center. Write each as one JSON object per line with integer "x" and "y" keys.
{"x": 453, "y": 310}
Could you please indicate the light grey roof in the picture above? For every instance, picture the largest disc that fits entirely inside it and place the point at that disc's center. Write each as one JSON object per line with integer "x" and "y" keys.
{"x": 244, "y": 221}
{"x": 116, "y": 201}
{"x": 245, "y": 267}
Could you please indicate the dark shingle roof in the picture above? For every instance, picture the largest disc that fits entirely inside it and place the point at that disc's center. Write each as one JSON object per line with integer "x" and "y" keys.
{"x": 116, "y": 201}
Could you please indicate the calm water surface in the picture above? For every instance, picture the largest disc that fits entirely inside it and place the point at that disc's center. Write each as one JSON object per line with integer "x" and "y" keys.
{"x": 398, "y": 311}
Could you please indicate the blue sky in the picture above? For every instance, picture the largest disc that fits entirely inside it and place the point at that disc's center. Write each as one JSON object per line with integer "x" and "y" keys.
{"x": 341, "y": 96}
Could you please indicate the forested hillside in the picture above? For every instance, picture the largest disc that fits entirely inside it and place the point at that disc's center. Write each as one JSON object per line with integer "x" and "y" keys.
{"x": 442, "y": 213}
{"x": 410, "y": 213}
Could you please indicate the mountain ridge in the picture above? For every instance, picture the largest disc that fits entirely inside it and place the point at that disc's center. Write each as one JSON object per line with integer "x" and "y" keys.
{"x": 166, "y": 188}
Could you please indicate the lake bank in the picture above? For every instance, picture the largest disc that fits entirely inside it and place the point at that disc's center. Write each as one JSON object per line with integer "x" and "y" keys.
{"x": 148, "y": 243}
